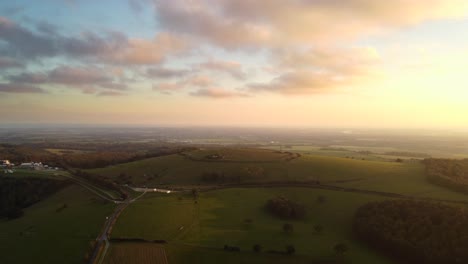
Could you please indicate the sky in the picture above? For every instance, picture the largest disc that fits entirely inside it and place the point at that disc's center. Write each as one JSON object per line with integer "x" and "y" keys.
{"x": 298, "y": 63}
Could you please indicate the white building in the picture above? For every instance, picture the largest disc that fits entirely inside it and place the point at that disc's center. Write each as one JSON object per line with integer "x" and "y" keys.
{"x": 5, "y": 163}
{"x": 32, "y": 165}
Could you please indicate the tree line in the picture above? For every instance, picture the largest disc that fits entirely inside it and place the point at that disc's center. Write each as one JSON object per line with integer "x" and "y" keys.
{"x": 449, "y": 173}
{"x": 415, "y": 231}
{"x": 19, "y": 193}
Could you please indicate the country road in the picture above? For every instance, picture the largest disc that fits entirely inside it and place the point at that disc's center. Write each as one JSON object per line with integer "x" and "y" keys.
{"x": 109, "y": 224}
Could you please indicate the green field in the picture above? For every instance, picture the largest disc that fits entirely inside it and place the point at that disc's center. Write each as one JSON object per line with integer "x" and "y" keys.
{"x": 198, "y": 231}
{"x": 44, "y": 235}
{"x": 406, "y": 178}
{"x": 50, "y": 174}
{"x": 218, "y": 218}
{"x": 264, "y": 166}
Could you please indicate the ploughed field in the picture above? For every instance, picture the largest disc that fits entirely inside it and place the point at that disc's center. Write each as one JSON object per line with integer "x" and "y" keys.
{"x": 122, "y": 253}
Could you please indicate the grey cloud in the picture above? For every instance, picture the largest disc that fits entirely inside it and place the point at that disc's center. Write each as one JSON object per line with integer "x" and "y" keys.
{"x": 159, "y": 72}
{"x": 110, "y": 48}
{"x": 6, "y": 62}
{"x": 20, "y": 88}
{"x": 86, "y": 79}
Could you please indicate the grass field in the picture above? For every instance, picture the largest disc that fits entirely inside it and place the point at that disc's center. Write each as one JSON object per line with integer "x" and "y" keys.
{"x": 123, "y": 253}
{"x": 50, "y": 174}
{"x": 44, "y": 235}
{"x": 181, "y": 254}
{"x": 265, "y": 166}
{"x": 405, "y": 178}
{"x": 198, "y": 231}
{"x": 218, "y": 218}
{"x": 239, "y": 155}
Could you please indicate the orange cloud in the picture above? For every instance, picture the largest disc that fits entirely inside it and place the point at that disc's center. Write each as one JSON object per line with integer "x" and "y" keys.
{"x": 251, "y": 23}
{"x": 218, "y": 93}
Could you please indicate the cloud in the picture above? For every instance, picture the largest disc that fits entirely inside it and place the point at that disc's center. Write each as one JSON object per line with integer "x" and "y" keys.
{"x": 6, "y": 62}
{"x": 144, "y": 51}
{"x": 199, "y": 81}
{"x": 20, "y": 88}
{"x": 65, "y": 75}
{"x": 167, "y": 87}
{"x": 218, "y": 93}
{"x": 110, "y": 93}
{"x": 117, "y": 48}
{"x": 136, "y": 5}
{"x": 251, "y": 23}
{"x": 23, "y": 42}
{"x": 232, "y": 68}
{"x": 109, "y": 48}
{"x": 164, "y": 73}
{"x": 300, "y": 82}
{"x": 87, "y": 79}
{"x": 202, "y": 20}
{"x": 320, "y": 70}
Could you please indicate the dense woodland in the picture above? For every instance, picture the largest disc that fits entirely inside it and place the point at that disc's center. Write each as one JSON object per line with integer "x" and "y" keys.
{"x": 19, "y": 193}
{"x": 415, "y": 231}
{"x": 449, "y": 173}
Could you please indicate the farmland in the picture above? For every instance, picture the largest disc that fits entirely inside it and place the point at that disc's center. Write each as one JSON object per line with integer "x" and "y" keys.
{"x": 405, "y": 178}
{"x": 219, "y": 218}
{"x": 48, "y": 234}
{"x": 197, "y": 229}
{"x": 226, "y": 210}
{"x": 121, "y": 253}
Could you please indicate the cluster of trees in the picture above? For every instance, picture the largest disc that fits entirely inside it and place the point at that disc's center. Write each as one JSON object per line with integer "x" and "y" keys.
{"x": 449, "y": 173}
{"x": 415, "y": 231}
{"x": 285, "y": 208}
{"x": 19, "y": 193}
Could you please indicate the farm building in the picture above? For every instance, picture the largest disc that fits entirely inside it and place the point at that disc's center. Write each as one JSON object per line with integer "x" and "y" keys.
{"x": 5, "y": 163}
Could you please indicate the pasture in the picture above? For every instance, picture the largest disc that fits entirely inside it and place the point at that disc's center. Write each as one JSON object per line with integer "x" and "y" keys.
{"x": 50, "y": 233}
{"x": 406, "y": 178}
{"x": 220, "y": 218}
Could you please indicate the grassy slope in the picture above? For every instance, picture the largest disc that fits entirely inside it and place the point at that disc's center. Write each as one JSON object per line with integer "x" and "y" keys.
{"x": 217, "y": 219}
{"x": 43, "y": 235}
{"x": 405, "y": 178}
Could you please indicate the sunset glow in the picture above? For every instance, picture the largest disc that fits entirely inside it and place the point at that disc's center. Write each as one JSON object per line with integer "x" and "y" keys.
{"x": 311, "y": 63}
